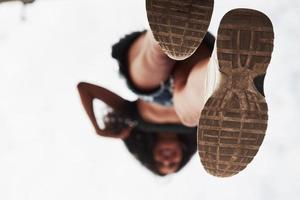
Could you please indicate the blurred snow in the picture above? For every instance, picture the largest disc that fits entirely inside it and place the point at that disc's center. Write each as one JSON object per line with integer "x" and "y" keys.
{"x": 48, "y": 149}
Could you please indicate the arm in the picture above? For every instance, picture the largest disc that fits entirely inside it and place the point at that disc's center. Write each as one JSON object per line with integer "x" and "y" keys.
{"x": 88, "y": 92}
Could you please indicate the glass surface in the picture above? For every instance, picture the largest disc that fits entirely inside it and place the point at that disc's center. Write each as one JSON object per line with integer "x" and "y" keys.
{"x": 50, "y": 150}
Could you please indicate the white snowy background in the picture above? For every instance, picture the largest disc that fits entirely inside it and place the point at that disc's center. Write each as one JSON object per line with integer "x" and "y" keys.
{"x": 48, "y": 148}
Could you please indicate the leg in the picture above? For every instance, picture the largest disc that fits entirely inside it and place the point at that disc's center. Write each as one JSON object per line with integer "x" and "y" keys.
{"x": 190, "y": 82}
{"x": 148, "y": 65}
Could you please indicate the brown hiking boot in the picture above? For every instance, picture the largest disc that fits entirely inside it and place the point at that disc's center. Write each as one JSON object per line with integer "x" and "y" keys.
{"x": 179, "y": 26}
{"x": 234, "y": 120}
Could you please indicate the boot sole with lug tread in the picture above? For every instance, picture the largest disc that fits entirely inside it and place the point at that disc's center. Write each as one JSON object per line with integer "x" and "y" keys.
{"x": 179, "y": 26}
{"x": 234, "y": 120}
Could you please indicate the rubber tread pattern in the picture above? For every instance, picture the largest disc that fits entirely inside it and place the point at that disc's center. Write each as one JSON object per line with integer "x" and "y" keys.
{"x": 179, "y": 26}
{"x": 234, "y": 120}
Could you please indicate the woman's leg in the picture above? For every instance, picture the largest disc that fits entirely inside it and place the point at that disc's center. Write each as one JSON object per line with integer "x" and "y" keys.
{"x": 190, "y": 78}
{"x": 149, "y": 67}
{"x": 148, "y": 64}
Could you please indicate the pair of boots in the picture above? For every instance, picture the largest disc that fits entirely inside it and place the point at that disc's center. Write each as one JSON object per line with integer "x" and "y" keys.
{"x": 233, "y": 122}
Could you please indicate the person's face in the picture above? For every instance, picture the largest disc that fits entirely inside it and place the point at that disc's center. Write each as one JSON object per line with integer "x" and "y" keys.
{"x": 167, "y": 153}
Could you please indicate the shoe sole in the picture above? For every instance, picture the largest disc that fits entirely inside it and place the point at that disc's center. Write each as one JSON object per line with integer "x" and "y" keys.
{"x": 234, "y": 120}
{"x": 179, "y": 26}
